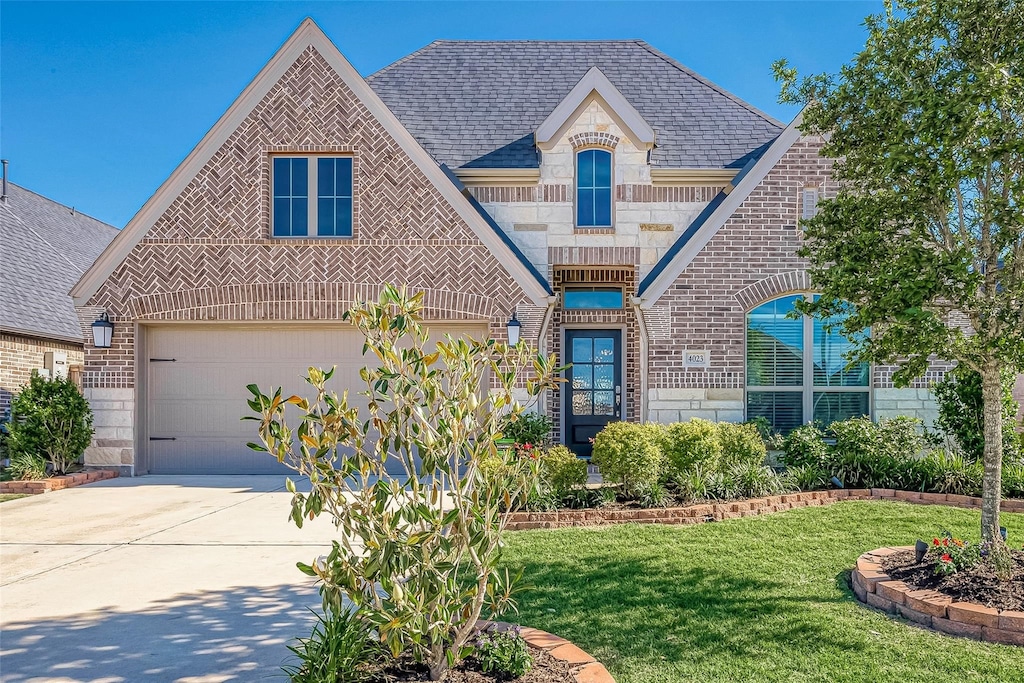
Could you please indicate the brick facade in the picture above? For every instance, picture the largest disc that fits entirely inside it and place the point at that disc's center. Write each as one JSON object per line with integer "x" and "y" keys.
{"x": 210, "y": 256}
{"x": 20, "y": 355}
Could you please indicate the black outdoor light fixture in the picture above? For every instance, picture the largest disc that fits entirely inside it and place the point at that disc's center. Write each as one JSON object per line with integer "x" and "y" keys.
{"x": 920, "y": 549}
{"x": 512, "y": 327}
{"x": 102, "y": 331}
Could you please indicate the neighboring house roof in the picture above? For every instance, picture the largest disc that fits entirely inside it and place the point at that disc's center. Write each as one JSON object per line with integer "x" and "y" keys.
{"x": 308, "y": 34}
{"x": 44, "y": 248}
{"x": 478, "y": 104}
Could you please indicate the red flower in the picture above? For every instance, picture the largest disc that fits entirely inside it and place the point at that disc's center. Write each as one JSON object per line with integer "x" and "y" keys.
{"x": 945, "y": 542}
{"x": 946, "y": 557}
{"x": 935, "y": 541}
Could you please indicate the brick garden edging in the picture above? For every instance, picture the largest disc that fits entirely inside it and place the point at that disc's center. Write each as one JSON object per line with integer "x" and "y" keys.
{"x": 929, "y": 608}
{"x": 66, "y": 481}
{"x": 588, "y": 669}
{"x": 710, "y": 512}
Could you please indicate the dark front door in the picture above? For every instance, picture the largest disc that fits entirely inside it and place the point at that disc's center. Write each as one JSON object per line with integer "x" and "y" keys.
{"x": 593, "y": 395}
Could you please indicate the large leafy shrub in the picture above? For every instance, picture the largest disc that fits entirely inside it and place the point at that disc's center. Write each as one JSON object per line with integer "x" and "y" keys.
{"x": 630, "y": 454}
{"x": 805, "y": 446}
{"x": 419, "y": 526}
{"x": 691, "y": 444}
{"x": 961, "y": 417}
{"x": 51, "y": 419}
{"x": 741, "y": 444}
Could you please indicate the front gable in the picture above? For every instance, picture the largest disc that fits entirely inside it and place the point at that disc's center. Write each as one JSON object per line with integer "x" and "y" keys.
{"x": 207, "y": 230}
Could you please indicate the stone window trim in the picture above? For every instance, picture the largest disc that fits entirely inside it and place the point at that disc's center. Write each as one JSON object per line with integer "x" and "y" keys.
{"x": 602, "y": 140}
{"x": 807, "y": 388}
{"x": 575, "y": 191}
{"x": 311, "y": 152}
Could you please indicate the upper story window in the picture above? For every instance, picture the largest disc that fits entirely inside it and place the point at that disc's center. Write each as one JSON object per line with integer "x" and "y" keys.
{"x": 796, "y": 372}
{"x": 592, "y": 297}
{"x": 298, "y": 213}
{"x": 594, "y": 188}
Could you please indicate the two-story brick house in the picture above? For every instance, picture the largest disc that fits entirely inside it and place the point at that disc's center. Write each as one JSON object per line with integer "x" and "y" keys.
{"x": 637, "y": 219}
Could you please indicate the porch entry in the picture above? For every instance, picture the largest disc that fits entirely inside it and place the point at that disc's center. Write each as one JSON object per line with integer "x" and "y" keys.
{"x": 593, "y": 395}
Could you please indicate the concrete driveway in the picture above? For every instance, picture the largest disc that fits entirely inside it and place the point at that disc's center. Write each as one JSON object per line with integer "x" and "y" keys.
{"x": 157, "y": 578}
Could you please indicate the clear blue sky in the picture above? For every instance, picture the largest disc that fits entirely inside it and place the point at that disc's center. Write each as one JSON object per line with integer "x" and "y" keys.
{"x": 99, "y": 101}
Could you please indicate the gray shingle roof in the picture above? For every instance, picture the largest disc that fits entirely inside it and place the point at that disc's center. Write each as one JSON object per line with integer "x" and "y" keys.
{"x": 477, "y": 104}
{"x": 44, "y": 249}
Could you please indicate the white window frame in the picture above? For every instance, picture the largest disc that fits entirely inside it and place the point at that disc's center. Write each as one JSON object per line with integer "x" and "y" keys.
{"x": 808, "y": 389}
{"x": 312, "y": 196}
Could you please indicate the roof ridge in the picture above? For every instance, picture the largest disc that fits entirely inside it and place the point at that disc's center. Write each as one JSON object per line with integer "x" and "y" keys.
{"x": 75, "y": 211}
{"x": 711, "y": 84}
{"x": 403, "y": 60}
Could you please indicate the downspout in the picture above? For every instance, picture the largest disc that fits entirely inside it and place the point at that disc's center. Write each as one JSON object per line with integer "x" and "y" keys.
{"x": 541, "y": 336}
{"x": 644, "y": 356}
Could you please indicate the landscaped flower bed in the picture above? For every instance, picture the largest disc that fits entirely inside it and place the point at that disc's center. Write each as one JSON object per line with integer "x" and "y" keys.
{"x": 554, "y": 660}
{"x": 876, "y": 582}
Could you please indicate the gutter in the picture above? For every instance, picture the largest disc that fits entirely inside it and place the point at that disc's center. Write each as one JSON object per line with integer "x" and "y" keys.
{"x": 644, "y": 357}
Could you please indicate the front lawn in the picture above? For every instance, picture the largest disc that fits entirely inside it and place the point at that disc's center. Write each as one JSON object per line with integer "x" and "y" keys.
{"x": 4, "y": 497}
{"x": 757, "y": 599}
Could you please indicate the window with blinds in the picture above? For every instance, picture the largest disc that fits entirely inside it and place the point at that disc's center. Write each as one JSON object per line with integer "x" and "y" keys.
{"x": 797, "y": 371}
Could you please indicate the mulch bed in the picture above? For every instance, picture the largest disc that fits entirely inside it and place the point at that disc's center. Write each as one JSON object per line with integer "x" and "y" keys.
{"x": 545, "y": 669}
{"x": 979, "y": 585}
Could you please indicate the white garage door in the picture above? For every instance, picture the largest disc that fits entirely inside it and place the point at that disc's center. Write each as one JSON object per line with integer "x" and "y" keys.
{"x": 196, "y": 379}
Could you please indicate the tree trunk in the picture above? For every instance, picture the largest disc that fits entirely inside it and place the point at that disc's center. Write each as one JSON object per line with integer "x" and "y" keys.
{"x": 992, "y": 404}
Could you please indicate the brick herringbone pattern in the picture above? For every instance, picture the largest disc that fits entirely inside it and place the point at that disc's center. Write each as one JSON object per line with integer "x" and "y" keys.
{"x": 210, "y": 256}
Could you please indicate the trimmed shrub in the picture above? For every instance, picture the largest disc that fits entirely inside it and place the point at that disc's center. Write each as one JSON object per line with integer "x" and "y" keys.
{"x": 691, "y": 444}
{"x": 50, "y": 418}
{"x": 562, "y": 472}
{"x": 630, "y": 454}
{"x": 741, "y": 444}
{"x": 805, "y": 446}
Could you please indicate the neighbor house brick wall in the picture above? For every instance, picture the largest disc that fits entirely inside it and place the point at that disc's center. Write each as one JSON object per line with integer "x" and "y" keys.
{"x": 211, "y": 257}
{"x": 20, "y": 355}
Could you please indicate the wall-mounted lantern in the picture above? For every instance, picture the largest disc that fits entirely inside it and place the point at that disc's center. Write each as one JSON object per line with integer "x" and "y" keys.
{"x": 102, "y": 331}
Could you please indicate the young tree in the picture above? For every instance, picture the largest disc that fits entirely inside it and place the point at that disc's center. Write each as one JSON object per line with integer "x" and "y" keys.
{"x": 420, "y": 524}
{"x": 925, "y": 237}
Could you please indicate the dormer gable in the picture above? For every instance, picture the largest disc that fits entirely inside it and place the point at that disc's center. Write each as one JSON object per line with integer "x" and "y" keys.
{"x": 594, "y": 87}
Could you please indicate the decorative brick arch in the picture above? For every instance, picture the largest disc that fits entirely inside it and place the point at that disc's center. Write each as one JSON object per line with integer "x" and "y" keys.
{"x": 593, "y": 139}
{"x": 295, "y": 301}
{"x": 790, "y": 282}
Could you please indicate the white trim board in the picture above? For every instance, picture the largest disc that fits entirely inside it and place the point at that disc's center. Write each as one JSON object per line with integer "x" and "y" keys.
{"x": 308, "y": 34}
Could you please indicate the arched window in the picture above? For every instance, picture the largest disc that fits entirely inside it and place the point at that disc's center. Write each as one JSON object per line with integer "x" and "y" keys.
{"x": 796, "y": 372}
{"x": 594, "y": 188}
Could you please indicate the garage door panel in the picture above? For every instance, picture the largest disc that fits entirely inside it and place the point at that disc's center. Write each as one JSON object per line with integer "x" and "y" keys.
{"x": 195, "y": 404}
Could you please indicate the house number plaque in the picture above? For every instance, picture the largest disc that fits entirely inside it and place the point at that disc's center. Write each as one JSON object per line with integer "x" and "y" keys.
{"x": 697, "y": 358}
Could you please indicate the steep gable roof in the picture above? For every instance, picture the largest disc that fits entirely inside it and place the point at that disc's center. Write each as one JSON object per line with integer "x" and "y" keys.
{"x": 709, "y": 221}
{"x": 477, "y": 104}
{"x": 307, "y": 35}
{"x": 44, "y": 248}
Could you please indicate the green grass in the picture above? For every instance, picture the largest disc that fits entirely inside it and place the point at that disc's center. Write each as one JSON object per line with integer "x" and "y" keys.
{"x": 756, "y": 599}
{"x": 4, "y": 497}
